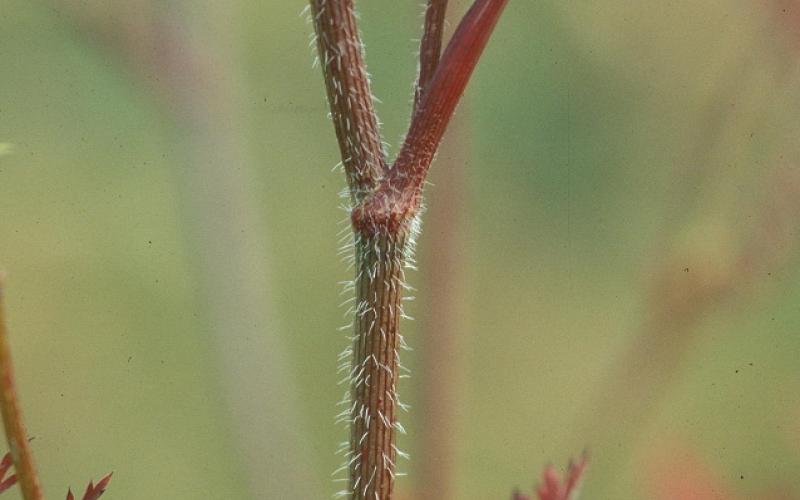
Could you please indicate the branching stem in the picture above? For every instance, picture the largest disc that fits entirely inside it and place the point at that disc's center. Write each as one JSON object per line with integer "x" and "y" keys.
{"x": 397, "y": 197}
{"x": 385, "y": 205}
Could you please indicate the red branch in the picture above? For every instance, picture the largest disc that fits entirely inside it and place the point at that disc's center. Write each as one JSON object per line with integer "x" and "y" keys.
{"x": 398, "y": 196}
{"x": 430, "y": 47}
{"x": 12, "y": 418}
{"x": 446, "y": 88}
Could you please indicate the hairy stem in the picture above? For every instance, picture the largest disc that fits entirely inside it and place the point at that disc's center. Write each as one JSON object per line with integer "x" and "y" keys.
{"x": 385, "y": 209}
{"x": 341, "y": 55}
{"x": 12, "y": 418}
{"x": 380, "y": 262}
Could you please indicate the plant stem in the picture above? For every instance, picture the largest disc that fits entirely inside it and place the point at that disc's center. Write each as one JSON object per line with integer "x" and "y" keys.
{"x": 380, "y": 262}
{"x": 399, "y": 193}
{"x": 347, "y": 84}
{"x": 430, "y": 47}
{"x": 385, "y": 209}
{"x": 12, "y": 418}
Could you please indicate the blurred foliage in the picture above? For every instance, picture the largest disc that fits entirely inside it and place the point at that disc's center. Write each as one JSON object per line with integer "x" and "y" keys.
{"x": 604, "y": 135}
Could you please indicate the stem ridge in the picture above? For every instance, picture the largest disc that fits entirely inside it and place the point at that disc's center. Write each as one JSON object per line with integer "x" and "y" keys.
{"x": 380, "y": 274}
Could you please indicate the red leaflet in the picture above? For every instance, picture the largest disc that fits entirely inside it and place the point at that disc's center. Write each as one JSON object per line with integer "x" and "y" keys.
{"x": 6, "y": 482}
{"x": 552, "y": 488}
{"x": 93, "y": 491}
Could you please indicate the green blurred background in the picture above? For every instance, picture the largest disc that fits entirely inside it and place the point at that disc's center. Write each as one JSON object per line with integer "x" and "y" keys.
{"x": 626, "y": 172}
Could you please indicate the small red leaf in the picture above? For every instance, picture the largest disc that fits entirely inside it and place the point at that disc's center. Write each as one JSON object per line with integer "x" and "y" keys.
{"x": 99, "y": 488}
{"x": 8, "y": 483}
{"x": 93, "y": 491}
{"x": 102, "y": 484}
{"x": 552, "y": 487}
{"x": 5, "y": 465}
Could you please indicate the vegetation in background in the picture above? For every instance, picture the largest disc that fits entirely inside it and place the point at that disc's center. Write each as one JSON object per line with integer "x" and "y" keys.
{"x": 612, "y": 146}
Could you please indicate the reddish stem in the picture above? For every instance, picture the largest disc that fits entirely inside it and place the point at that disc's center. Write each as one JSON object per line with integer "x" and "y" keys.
{"x": 397, "y": 198}
{"x": 346, "y": 81}
{"x": 444, "y": 92}
{"x": 385, "y": 202}
{"x": 12, "y": 418}
{"x": 430, "y": 47}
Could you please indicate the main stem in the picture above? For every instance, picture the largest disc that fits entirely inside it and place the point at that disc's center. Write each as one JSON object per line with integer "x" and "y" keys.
{"x": 380, "y": 261}
{"x": 385, "y": 206}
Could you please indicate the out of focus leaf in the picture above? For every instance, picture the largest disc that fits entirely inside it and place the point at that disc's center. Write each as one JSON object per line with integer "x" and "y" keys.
{"x": 552, "y": 486}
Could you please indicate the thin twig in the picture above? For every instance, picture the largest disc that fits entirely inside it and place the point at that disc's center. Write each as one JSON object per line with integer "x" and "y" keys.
{"x": 430, "y": 47}
{"x": 12, "y": 418}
